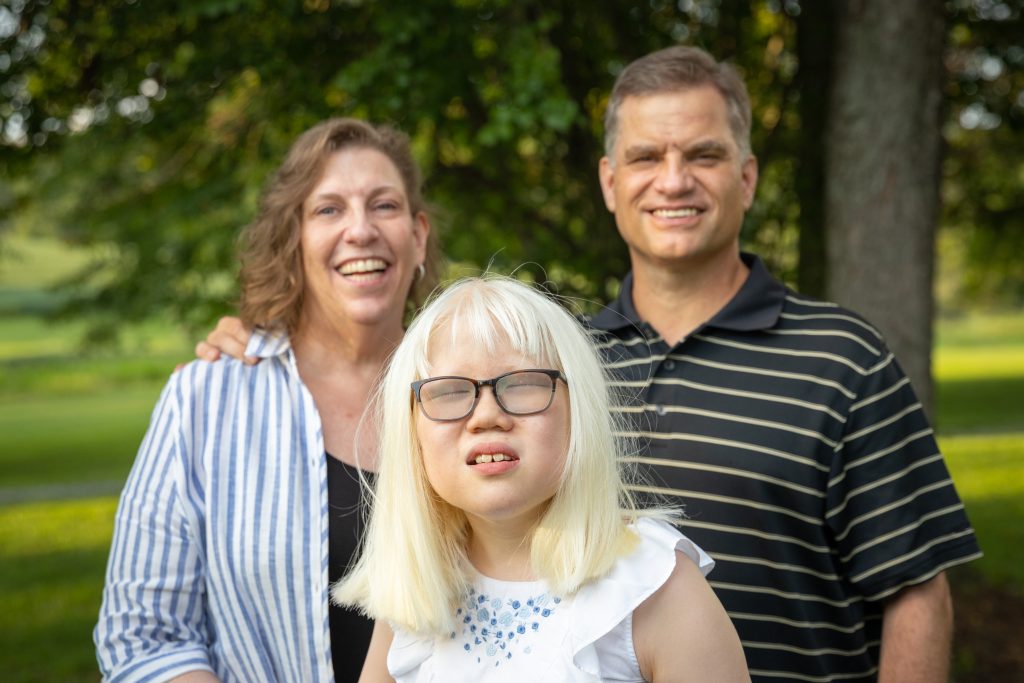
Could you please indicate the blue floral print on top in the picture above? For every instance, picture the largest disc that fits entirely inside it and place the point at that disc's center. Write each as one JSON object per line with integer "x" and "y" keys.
{"x": 496, "y": 628}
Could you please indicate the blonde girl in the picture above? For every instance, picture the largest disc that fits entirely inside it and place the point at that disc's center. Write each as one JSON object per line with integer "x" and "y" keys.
{"x": 502, "y": 543}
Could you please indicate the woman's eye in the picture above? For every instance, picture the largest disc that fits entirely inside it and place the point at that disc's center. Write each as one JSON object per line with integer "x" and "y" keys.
{"x": 326, "y": 211}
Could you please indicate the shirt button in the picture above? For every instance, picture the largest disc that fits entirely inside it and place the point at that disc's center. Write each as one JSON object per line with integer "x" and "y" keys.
{"x": 659, "y": 409}
{"x": 669, "y": 365}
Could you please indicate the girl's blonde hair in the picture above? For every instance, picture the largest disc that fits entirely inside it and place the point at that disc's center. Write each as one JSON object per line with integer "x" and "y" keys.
{"x": 413, "y": 567}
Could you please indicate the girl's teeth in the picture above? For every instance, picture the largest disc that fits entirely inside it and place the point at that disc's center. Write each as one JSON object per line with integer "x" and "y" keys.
{"x": 491, "y": 457}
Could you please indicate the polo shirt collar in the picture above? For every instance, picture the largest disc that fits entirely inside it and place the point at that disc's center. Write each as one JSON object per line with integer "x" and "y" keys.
{"x": 756, "y": 306}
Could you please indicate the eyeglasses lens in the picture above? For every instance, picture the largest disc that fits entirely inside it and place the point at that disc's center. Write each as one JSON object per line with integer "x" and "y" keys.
{"x": 448, "y": 398}
{"x": 518, "y": 393}
{"x": 525, "y": 392}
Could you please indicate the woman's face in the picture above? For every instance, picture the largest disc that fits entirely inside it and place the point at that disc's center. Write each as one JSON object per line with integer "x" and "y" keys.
{"x": 360, "y": 243}
{"x": 459, "y": 457}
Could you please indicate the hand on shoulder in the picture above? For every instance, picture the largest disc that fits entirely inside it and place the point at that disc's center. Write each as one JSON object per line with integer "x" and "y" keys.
{"x": 229, "y": 337}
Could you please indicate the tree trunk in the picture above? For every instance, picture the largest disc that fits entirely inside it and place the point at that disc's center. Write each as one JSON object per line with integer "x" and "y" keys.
{"x": 815, "y": 44}
{"x": 884, "y": 151}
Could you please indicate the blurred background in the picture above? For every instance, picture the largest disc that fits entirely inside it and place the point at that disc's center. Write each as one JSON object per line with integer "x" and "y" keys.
{"x": 135, "y": 137}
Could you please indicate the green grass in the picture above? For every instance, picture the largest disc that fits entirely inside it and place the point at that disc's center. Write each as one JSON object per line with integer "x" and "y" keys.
{"x": 75, "y": 438}
{"x": 980, "y": 329}
{"x": 25, "y": 336}
{"x": 51, "y": 580}
{"x": 34, "y": 262}
{"x": 989, "y": 474}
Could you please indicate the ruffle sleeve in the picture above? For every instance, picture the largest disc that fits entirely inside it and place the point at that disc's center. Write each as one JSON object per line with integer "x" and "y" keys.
{"x": 407, "y": 653}
{"x": 603, "y": 604}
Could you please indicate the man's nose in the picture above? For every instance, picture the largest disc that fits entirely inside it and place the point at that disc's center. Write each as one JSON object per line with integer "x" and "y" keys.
{"x": 674, "y": 177}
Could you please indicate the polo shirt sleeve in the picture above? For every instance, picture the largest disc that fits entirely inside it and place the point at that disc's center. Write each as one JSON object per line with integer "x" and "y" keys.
{"x": 891, "y": 506}
{"x": 152, "y": 624}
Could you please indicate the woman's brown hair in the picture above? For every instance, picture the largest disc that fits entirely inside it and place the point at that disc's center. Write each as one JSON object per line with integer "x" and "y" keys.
{"x": 271, "y": 276}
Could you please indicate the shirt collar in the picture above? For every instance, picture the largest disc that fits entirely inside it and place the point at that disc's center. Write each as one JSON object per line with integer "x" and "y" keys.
{"x": 756, "y": 306}
{"x": 267, "y": 343}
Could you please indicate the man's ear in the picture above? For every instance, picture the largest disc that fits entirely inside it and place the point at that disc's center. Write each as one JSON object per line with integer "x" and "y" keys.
{"x": 748, "y": 174}
{"x": 606, "y": 176}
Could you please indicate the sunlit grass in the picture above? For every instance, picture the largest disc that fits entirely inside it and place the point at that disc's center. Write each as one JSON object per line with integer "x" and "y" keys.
{"x": 979, "y": 362}
{"x": 34, "y": 262}
{"x": 51, "y": 580}
{"x": 989, "y": 474}
{"x": 26, "y": 337}
{"x": 76, "y": 438}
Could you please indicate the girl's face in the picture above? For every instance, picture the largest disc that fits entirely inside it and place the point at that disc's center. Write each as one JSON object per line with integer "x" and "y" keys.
{"x": 495, "y": 466}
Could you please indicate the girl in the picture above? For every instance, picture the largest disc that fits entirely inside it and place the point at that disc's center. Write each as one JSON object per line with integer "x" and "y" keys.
{"x": 502, "y": 543}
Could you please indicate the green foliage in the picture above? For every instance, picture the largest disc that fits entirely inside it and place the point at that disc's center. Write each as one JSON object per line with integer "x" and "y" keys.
{"x": 984, "y": 170}
{"x": 151, "y": 127}
{"x": 148, "y": 128}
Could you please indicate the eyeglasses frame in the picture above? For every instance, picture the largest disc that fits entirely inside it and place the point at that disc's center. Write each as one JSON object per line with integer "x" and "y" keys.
{"x": 555, "y": 375}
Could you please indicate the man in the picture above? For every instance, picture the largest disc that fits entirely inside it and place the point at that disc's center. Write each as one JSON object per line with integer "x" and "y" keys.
{"x": 783, "y": 425}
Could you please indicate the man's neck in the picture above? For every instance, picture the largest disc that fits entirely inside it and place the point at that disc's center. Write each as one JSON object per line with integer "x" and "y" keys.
{"x": 675, "y": 301}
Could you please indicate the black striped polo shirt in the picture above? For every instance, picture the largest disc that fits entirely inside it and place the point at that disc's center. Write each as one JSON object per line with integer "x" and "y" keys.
{"x": 804, "y": 464}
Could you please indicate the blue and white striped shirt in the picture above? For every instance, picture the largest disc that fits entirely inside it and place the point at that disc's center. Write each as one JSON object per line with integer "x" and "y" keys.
{"x": 219, "y": 556}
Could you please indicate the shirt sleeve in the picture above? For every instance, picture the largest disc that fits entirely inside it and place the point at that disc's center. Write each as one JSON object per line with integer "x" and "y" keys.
{"x": 893, "y": 510}
{"x": 152, "y": 623}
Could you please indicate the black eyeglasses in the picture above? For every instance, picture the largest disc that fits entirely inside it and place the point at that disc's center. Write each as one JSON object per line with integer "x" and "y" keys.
{"x": 520, "y": 392}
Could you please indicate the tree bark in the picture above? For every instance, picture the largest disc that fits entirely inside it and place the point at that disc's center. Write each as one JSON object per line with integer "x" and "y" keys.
{"x": 883, "y": 157}
{"x": 815, "y": 45}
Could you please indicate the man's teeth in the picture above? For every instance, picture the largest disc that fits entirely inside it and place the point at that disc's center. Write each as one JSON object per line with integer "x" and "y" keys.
{"x": 491, "y": 457}
{"x": 675, "y": 213}
{"x": 363, "y": 265}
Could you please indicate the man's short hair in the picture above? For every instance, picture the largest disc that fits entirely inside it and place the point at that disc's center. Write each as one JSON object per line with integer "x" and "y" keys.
{"x": 680, "y": 68}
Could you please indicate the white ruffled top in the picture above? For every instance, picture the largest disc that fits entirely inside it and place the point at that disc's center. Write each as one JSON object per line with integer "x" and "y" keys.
{"x": 516, "y": 631}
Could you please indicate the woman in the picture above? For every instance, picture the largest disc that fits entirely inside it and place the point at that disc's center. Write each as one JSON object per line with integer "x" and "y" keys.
{"x": 502, "y": 544}
{"x": 235, "y": 516}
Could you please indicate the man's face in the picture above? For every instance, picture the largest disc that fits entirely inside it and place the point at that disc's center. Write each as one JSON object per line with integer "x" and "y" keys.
{"x": 677, "y": 182}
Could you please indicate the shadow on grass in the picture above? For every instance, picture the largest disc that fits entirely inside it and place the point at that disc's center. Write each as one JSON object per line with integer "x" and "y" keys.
{"x": 979, "y": 405}
{"x": 989, "y": 620}
{"x": 48, "y": 609}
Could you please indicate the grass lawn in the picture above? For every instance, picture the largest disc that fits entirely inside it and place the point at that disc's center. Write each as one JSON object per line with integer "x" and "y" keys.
{"x": 988, "y": 470}
{"x": 51, "y": 579}
{"x": 73, "y": 438}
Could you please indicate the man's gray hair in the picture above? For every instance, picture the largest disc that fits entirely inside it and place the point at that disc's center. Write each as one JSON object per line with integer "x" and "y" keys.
{"x": 680, "y": 68}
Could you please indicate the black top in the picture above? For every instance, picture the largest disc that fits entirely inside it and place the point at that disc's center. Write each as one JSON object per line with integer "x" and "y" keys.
{"x": 350, "y": 631}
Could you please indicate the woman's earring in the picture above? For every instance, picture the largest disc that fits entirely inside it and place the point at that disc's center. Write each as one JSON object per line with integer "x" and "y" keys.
{"x": 421, "y": 272}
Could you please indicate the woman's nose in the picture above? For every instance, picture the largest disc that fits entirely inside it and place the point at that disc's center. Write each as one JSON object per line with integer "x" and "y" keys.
{"x": 360, "y": 229}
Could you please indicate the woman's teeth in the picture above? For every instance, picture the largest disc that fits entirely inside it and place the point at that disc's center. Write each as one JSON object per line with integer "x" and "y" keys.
{"x": 362, "y": 266}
